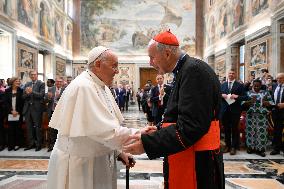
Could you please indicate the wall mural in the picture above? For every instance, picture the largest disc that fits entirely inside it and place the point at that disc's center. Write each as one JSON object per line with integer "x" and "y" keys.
{"x": 58, "y": 29}
{"x": 128, "y": 25}
{"x": 238, "y": 13}
{"x": 60, "y": 3}
{"x": 69, "y": 36}
{"x": 45, "y": 21}
{"x": 227, "y": 16}
{"x": 223, "y": 21}
{"x": 211, "y": 30}
{"x": 258, "y": 5}
{"x": 6, "y": 7}
{"x": 26, "y": 12}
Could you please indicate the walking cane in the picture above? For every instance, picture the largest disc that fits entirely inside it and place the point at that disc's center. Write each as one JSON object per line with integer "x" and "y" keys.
{"x": 131, "y": 163}
{"x": 127, "y": 178}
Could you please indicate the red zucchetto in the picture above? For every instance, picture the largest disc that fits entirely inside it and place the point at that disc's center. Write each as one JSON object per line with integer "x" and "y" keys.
{"x": 166, "y": 38}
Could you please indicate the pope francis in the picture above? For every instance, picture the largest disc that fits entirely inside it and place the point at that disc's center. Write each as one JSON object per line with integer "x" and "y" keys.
{"x": 89, "y": 129}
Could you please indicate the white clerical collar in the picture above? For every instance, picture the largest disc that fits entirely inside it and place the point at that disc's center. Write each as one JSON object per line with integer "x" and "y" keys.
{"x": 95, "y": 78}
{"x": 181, "y": 57}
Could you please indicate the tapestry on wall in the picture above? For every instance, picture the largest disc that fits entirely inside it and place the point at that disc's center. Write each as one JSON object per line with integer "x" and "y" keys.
{"x": 60, "y": 67}
{"x": 26, "y": 61}
{"x": 258, "y": 54}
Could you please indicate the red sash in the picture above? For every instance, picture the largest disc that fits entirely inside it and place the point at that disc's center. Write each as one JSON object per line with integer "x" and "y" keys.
{"x": 182, "y": 164}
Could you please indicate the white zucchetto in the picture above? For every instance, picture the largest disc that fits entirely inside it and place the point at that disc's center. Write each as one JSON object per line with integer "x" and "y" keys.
{"x": 95, "y": 53}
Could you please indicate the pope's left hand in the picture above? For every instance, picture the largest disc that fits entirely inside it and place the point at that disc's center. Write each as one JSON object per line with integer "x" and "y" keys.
{"x": 136, "y": 147}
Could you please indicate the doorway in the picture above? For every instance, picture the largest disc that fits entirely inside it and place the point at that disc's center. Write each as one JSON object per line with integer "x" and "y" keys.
{"x": 147, "y": 75}
{"x": 282, "y": 54}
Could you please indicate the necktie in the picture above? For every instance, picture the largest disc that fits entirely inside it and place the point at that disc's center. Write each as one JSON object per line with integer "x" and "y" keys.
{"x": 57, "y": 93}
{"x": 230, "y": 86}
{"x": 278, "y": 99}
{"x": 33, "y": 83}
{"x": 161, "y": 101}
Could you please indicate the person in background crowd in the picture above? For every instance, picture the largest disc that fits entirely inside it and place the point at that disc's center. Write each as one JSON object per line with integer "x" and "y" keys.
{"x": 159, "y": 97}
{"x": 68, "y": 80}
{"x": 120, "y": 92}
{"x": 247, "y": 86}
{"x": 147, "y": 105}
{"x": 138, "y": 98}
{"x": 33, "y": 96}
{"x": 278, "y": 115}
{"x": 269, "y": 84}
{"x": 264, "y": 77}
{"x": 50, "y": 83}
{"x": 52, "y": 98}
{"x": 113, "y": 92}
{"x": 231, "y": 112}
{"x": 8, "y": 84}
{"x": 256, "y": 119}
{"x": 2, "y": 117}
{"x": 13, "y": 96}
{"x": 127, "y": 96}
{"x": 2, "y": 85}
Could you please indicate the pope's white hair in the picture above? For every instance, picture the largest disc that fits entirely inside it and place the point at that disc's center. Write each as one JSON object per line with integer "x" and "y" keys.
{"x": 161, "y": 46}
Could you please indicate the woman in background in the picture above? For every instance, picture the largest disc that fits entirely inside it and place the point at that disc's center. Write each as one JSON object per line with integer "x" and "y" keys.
{"x": 256, "y": 119}
{"x": 14, "y": 110}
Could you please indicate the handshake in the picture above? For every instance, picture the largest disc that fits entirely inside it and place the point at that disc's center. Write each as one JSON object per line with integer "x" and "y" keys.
{"x": 134, "y": 146}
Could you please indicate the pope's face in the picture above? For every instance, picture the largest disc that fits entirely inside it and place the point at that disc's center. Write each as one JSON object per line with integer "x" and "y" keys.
{"x": 109, "y": 67}
{"x": 157, "y": 60}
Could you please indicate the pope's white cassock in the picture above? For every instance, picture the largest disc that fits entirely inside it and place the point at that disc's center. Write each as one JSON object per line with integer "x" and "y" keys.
{"x": 89, "y": 133}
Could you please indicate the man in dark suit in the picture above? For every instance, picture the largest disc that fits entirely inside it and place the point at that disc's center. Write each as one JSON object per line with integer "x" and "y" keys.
{"x": 52, "y": 98}
{"x": 120, "y": 92}
{"x": 33, "y": 109}
{"x": 278, "y": 115}
{"x": 234, "y": 90}
{"x": 2, "y": 117}
{"x": 192, "y": 112}
{"x": 159, "y": 96}
{"x": 127, "y": 96}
